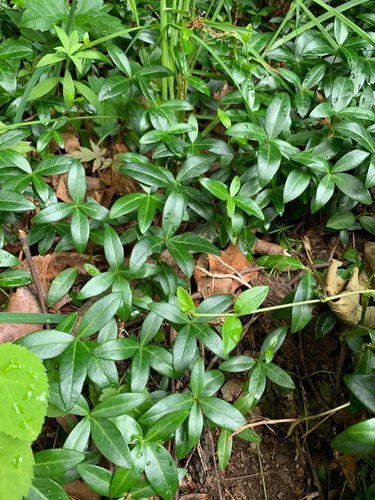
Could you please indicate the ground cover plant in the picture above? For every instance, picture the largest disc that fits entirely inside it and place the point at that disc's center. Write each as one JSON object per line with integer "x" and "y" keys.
{"x": 142, "y": 146}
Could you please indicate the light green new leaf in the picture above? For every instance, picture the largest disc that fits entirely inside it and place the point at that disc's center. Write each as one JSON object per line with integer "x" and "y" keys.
{"x": 250, "y": 300}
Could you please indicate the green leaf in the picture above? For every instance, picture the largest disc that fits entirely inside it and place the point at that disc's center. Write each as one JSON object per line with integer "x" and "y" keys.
{"x": 350, "y": 161}
{"x": 247, "y": 131}
{"x": 97, "y": 478}
{"x": 238, "y": 364}
{"x": 210, "y": 339}
{"x": 52, "y": 213}
{"x": 117, "y": 349}
{"x": 160, "y": 360}
{"x": 217, "y": 188}
{"x": 342, "y": 93}
{"x": 23, "y": 392}
{"x": 8, "y": 78}
{"x": 198, "y": 84}
{"x": 169, "y": 404}
{"x": 126, "y": 204}
{"x": 161, "y": 471}
{"x": 357, "y": 439}
{"x": 296, "y": 183}
{"x": 221, "y": 413}
{"x": 119, "y": 404}
{"x": 80, "y": 229}
{"x": 352, "y": 187}
{"x": 150, "y": 328}
{"x": 224, "y": 447}
{"x": 231, "y": 333}
{"x": 249, "y": 206}
{"x": 312, "y": 160}
{"x": 212, "y": 307}
{"x": 56, "y": 462}
{"x": 341, "y": 221}
{"x": 15, "y": 278}
{"x": 194, "y": 243}
{"x": 140, "y": 369}
{"x": 368, "y": 223}
{"x": 148, "y": 174}
{"x": 110, "y": 442}
{"x": 354, "y": 130}
{"x": 185, "y": 302}
{"x": 77, "y": 182}
{"x": 195, "y": 425}
{"x": 257, "y": 383}
{"x": 250, "y": 300}
{"x": 362, "y": 386}
{"x": 123, "y": 480}
{"x": 278, "y": 376}
{"x": 98, "y": 315}
{"x": 61, "y": 285}
{"x": 113, "y": 249}
{"x": 322, "y": 110}
{"x": 73, "y": 370}
{"x": 165, "y": 427}
{"x": 119, "y": 58}
{"x": 42, "y": 88}
{"x": 46, "y": 344}
{"x": 194, "y": 166}
{"x": 184, "y": 349}
{"x": 16, "y": 458}
{"x": 145, "y": 247}
{"x": 301, "y": 314}
{"x": 97, "y": 285}
{"x": 277, "y": 115}
{"x": 197, "y": 377}
{"x": 314, "y": 76}
{"x": 146, "y": 212}
{"x": 14, "y": 202}
{"x": 53, "y": 165}
{"x": 269, "y": 159}
{"x": 324, "y": 192}
{"x": 174, "y": 210}
{"x": 44, "y": 488}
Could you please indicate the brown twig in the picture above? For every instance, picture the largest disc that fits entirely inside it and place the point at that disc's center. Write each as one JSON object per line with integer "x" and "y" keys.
{"x": 38, "y": 287}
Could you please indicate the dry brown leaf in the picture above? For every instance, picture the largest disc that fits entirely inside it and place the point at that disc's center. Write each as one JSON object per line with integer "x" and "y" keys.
{"x": 24, "y": 299}
{"x": 78, "y": 490}
{"x": 226, "y": 274}
{"x": 348, "y": 463}
{"x": 264, "y": 247}
{"x": 71, "y": 141}
{"x": 232, "y": 389}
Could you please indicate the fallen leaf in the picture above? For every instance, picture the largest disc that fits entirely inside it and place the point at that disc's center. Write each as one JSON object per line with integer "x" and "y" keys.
{"x": 78, "y": 490}
{"x": 348, "y": 464}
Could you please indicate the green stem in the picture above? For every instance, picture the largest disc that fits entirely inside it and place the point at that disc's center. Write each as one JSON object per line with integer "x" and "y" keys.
{"x": 29, "y": 87}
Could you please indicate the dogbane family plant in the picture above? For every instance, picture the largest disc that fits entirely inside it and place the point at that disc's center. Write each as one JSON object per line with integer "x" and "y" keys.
{"x": 229, "y": 129}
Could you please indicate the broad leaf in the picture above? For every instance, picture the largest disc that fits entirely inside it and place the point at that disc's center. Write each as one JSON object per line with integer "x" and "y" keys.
{"x": 250, "y": 300}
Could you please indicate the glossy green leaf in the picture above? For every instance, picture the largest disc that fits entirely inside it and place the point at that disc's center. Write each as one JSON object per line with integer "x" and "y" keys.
{"x": 147, "y": 174}
{"x": 354, "y": 130}
{"x": 126, "y": 204}
{"x": 110, "y": 442}
{"x": 97, "y": 285}
{"x": 160, "y": 360}
{"x": 146, "y": 212}
{"x": 301, "y": 314}
{"x": 122, "y": 481}
{"x": 224, "y": 447}
{"x": 61, "y": 285}
{"x": 119, "y": 404}
{"x": 342, "y": 93}
{"x": 46, "y": 344}
{"x": 314, "y": 76}
{"x": 73, "y": 370}
{"x": 44, "y": 488}
{"x": 350, "y": 161}
{"x": 341, "y": 221}
{"x": 184, "y": 350}
{"x": 171, "y": 403}
{"x": 165, "y": 427}
{"x": 14, "y": 202}
{"x": 277, "y": 115}
{"x": 197, "y": 377}
{"x": 97, "y": 478}
{"x": 119, "y": 58}
{"x": 145, "y": 247}
{"x": 113, "y": 86}
{"x": 358, "y": 439}
{"x": 14, "y": 278}
{"x": 117, "y": 349}
{"x": 250, "y": 300}
{"x": 140, "y": 369}
{"x": 247, "y": 131}
{"x": 249, "y": 206}
{"x": 98, "y": 315}
{"x": 221, "y": 413}
{"x": 238, "y": 364}
{"x": 52, "y": 213}
{"x": 113, "y": 249}
{"x": 231, "y": 333}
{"x": 185, "y": 301}
{"x": 210, "y": 339}
{"x": 217, "y": 188}
{"x": 174, "y": 210}
{"x": 56, "y": 462}
{"x": 80, "y": 229}
{"x": 42, "y": 88}
{"x": 352, "y": 187}
{"x": 362, "y": 386}
{"x": 211, "y": 307}
{"x": 323, "y": 193}
{"x": 169, "y": 312}
{"x": 194, "y": 166}
{"x": 296, "y": 183}
{"x": 161, "y": 471}
{"x": 269, "y": 159}
{"x": 278, "y": 376}
{"x": 279, "y": 262}
{"x": 257, "y": 382}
